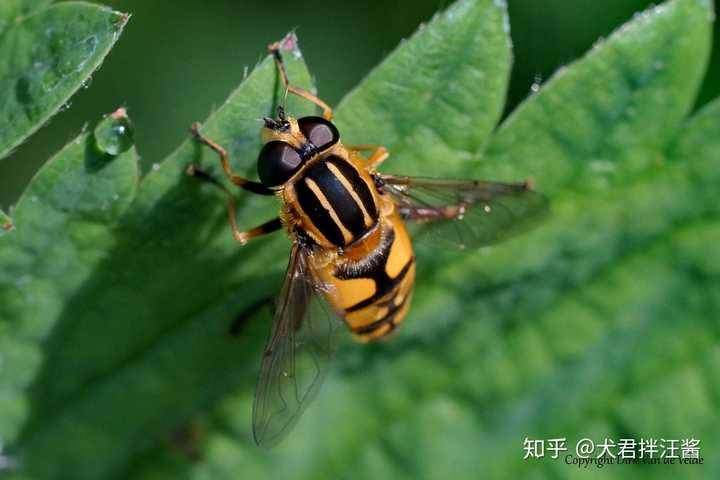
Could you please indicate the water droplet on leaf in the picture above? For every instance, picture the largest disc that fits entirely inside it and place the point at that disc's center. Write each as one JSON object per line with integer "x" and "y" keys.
{"x": 114, "y": 134}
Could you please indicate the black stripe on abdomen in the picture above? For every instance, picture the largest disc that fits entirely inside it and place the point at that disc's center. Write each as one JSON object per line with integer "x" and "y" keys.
{"x": 389, "y": 317}
{"x": 383, "y": 285}
{"x": 373, "y": 267}
{"x": 342, "y": 202}
{"x": 318, "y": 215}
{"x": 360, "y": 187}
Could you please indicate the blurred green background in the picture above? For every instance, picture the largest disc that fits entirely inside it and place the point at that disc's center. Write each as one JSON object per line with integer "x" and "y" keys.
{"x": 179, "y": 59}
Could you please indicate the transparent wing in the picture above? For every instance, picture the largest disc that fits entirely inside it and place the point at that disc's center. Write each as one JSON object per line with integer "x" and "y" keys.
{"x": 295, "y": 361}
{"x": 466, "y": 213}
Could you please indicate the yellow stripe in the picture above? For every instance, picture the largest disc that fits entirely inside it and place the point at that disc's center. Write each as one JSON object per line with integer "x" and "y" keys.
{"x": 327, "y": 206}
{"x": 353, "y": 193}
{"x": 354, "y": 291}
{"x": 400, "y": 253}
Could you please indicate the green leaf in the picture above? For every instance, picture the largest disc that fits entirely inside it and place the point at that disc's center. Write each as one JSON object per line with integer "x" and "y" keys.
{"x": 601, "y": 323}
{"x": 46, "y": 54}
{"x": 603, "y": 113}
{"x": 65, "y": 251}
{"x": 435, "y": 99}
{"x": 53, "y": 243}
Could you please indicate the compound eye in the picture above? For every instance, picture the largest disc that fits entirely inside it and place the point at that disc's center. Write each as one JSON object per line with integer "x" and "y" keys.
{"x": 277, "y": 162}
{"x": 319, "y": 132}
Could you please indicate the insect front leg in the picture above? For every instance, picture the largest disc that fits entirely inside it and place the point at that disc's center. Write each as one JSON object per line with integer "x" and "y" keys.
{"x": 241, "y": 182}
{"x": 242, "y": 237}
{"x": 301, "y": 92}
{"x": 377, "y": 157}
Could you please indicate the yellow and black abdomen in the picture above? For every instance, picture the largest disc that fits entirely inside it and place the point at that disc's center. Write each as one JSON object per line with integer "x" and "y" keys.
{"x": 373, "y": 291}
{"x": 335, "y": 202}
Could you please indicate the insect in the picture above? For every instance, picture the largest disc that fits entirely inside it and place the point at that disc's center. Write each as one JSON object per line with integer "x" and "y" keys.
{"x": 352, "y": 257}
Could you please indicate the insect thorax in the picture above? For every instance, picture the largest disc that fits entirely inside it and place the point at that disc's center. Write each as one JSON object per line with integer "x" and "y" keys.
{"x": 336, "y": 202}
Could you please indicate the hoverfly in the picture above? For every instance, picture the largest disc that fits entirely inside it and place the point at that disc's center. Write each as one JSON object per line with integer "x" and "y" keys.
{"x": 352, "y": 257}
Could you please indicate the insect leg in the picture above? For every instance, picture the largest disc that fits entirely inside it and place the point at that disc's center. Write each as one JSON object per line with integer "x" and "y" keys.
{"x": 301, "y": 92}
{"x": 379, "y": 154}
{"x": 421, "y": 214}
{"x": 242, "y": 237}
{"x": 241, "y": 182}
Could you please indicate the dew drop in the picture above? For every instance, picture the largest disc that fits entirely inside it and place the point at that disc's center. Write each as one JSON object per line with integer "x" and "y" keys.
{"x": 116, "y": 197}
{"x": 156, "y": 167}
{"x": 114, "y": 133}
{"x": 535, "y": 87}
